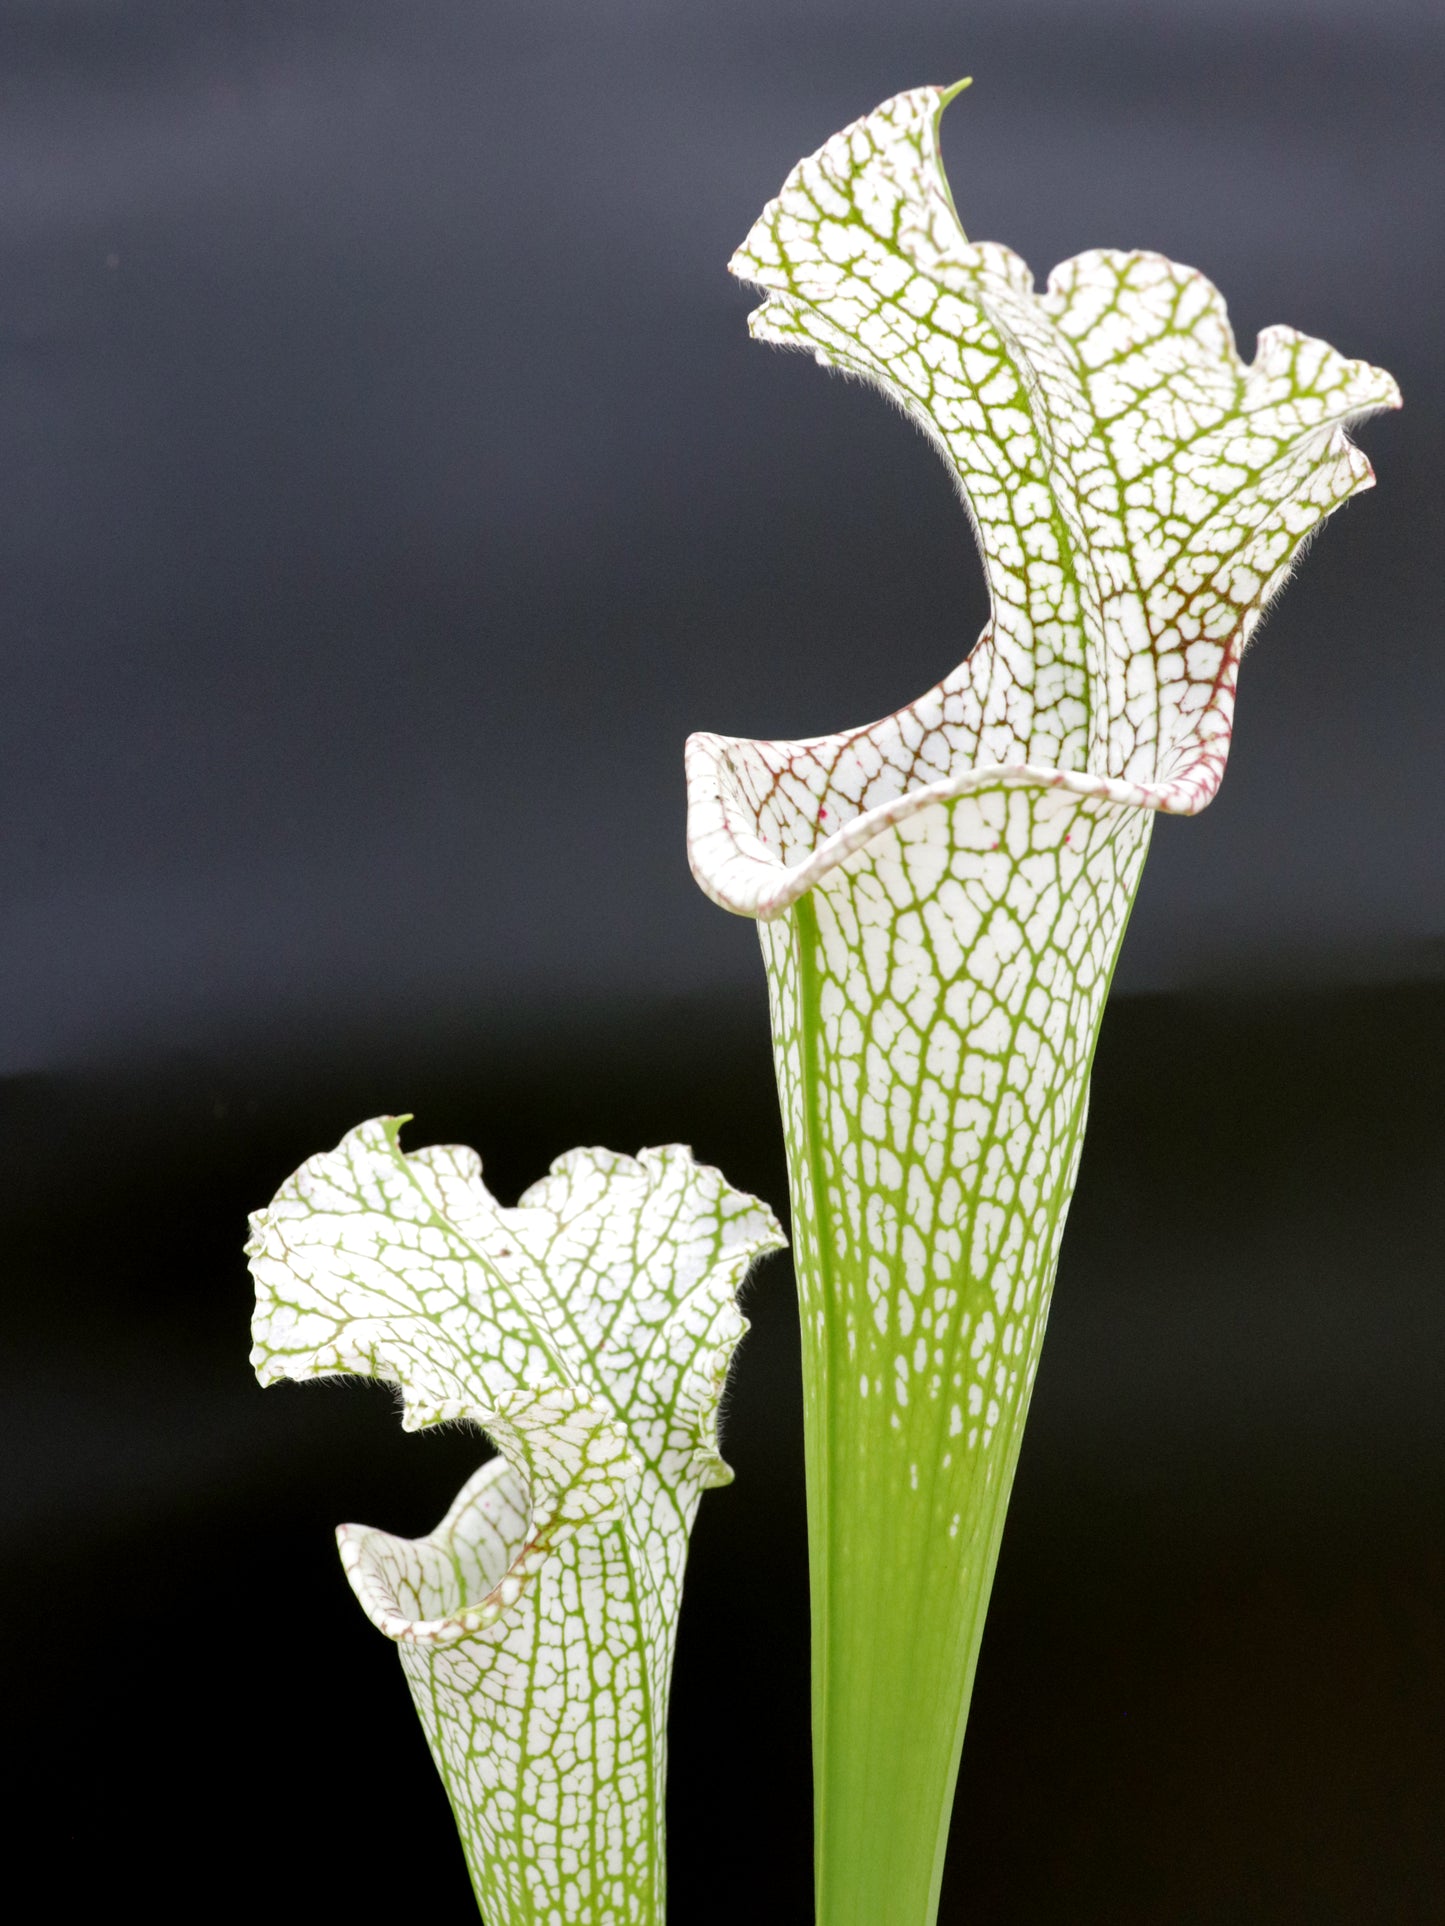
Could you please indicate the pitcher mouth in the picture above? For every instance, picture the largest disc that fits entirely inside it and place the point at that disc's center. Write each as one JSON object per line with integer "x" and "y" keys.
{"x": 740, "y": 853}
{"x": 460, "y": 1580}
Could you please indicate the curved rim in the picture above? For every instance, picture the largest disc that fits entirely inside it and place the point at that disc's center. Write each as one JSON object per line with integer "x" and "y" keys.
{"x": 753, "y": 882}
{"x": 357, "y": 1545}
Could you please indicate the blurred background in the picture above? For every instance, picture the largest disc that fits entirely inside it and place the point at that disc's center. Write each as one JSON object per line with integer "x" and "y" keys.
{"x": 390, "y": 486}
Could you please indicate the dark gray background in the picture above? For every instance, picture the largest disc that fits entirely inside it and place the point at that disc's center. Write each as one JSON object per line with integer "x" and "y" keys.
{"x": 390, "y": 486}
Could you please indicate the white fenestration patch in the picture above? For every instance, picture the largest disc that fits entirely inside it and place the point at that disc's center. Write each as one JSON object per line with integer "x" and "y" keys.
{"x": 589, "y": 1331}
{"x": 968, "y": 863}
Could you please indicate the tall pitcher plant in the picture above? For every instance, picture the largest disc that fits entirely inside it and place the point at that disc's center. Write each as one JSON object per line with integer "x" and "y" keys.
{"x": 941, "y": 895}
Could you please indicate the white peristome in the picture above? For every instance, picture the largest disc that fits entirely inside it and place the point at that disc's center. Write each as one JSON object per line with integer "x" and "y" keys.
{"x": 589, "y": 1330}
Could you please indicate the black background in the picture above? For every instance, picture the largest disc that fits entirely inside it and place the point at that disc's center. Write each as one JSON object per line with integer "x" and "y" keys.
{"x": 389, "y": 486}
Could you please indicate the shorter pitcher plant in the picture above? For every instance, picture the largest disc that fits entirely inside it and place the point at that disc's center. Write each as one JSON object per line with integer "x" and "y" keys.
{"x": 589, "y": 1332}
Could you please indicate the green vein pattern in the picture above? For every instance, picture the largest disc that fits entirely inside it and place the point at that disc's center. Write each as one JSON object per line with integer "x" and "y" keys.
{"x": 589, "y": 1330}
{"x": 942, "y": 895}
